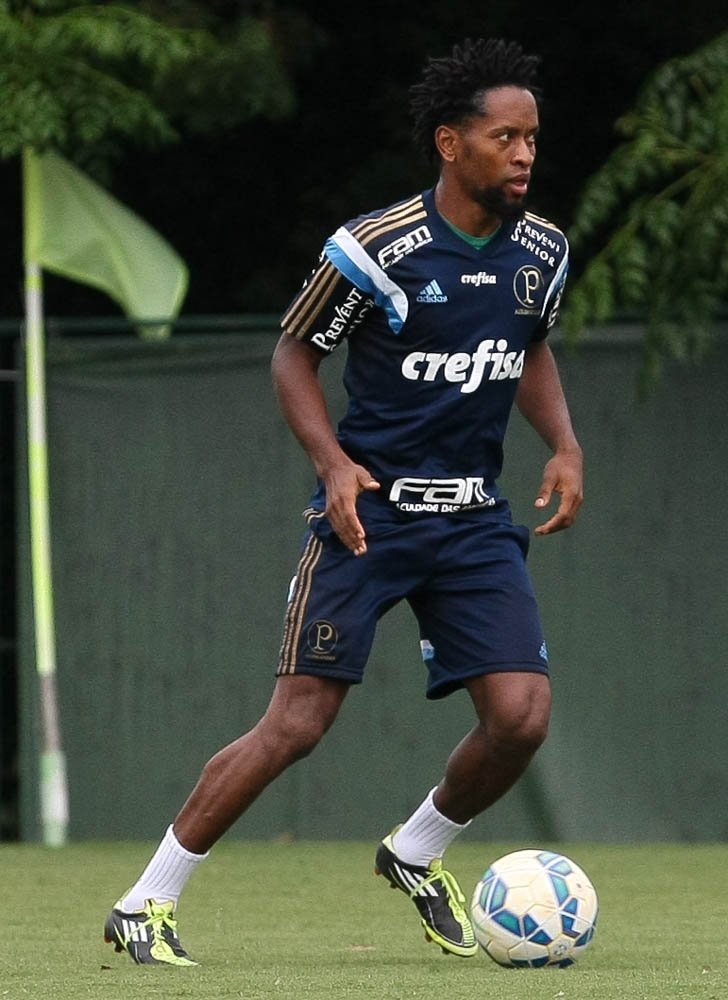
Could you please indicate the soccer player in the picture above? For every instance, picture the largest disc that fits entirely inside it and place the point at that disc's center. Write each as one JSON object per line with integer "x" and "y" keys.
{"x": 446, "y": 300}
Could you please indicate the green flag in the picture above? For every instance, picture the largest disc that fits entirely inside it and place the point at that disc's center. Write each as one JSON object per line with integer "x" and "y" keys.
{"x": 76, "y": 229}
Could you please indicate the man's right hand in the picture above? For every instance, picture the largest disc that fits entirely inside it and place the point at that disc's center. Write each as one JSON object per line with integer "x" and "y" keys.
{"x": 295, "y": 376}
{"x": 343, "y": 486}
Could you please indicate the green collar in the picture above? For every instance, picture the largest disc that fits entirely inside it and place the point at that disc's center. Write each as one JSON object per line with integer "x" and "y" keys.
{"x": 475, "y": 241}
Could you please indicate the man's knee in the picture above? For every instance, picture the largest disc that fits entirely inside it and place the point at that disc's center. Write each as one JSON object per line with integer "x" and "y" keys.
{"x": 297, "y": 736}
{"x": 514, "y": 710}
{"x": 524, "y": 730}
{"x": 301, "y": 711}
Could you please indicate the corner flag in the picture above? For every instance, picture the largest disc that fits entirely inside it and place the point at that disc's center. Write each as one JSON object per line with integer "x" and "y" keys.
{"x": 77, "y": 230}
{"x": 73, "y": 227}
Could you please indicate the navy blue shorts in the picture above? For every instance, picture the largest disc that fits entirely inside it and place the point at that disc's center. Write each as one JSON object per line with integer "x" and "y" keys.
{"x": 465, "y": 580}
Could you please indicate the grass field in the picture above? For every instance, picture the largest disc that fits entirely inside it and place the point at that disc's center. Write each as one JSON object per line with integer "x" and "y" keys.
{"x": 309, "y": 921}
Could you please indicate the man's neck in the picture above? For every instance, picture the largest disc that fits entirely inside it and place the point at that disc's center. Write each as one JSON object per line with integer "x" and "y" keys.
{"x": 464, "y": 214}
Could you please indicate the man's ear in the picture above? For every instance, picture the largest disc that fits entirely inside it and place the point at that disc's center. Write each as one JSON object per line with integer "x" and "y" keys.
{"x": 446, "y": 139}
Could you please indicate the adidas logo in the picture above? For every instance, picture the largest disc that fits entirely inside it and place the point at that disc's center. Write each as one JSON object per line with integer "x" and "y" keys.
{"x": 432, "y": 293}
{"x": 134, "y": 931}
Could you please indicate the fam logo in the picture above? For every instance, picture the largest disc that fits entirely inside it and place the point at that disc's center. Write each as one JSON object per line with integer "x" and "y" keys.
{"x": 322, "y": 638}
{"x": 404, "y": 245}
{"x": 440, "y": 496}
{"x": 528, "y": 287}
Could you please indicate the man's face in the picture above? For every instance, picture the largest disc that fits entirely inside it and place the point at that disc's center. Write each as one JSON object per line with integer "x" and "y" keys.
{"x": 491, "y": 155}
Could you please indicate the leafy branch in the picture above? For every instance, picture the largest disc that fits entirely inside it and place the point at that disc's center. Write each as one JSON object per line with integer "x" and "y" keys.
{"x": 75, "y": 76}
{"x": 652, "y": 223}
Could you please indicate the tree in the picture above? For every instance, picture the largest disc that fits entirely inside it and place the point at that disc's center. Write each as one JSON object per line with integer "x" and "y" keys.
{"x": 653, "y": 221}
{"x": 82, "y": 78}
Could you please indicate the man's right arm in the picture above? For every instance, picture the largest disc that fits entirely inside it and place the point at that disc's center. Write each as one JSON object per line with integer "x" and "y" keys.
{"x": 300, "y": 394}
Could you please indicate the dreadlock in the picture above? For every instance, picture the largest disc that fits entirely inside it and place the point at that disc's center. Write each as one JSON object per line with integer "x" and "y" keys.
{"x": 451, "y": 87}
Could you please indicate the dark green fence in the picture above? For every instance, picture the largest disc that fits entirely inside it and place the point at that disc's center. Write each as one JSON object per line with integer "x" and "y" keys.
{"x": 176, "y": 492}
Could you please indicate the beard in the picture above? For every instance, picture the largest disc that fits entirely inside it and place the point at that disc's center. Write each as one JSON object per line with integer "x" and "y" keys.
{"x": 495, "y": 201}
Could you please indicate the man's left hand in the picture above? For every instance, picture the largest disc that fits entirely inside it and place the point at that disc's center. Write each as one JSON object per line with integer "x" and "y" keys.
{"x": 563, "y": 475}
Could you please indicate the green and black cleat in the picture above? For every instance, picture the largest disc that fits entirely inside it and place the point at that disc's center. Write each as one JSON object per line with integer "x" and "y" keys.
{"x": 437, "y": 896}
{"x": 149, "y": 935}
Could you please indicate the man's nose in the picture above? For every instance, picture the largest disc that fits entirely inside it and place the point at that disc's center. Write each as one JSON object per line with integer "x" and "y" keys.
{"x": 525, "y": 152}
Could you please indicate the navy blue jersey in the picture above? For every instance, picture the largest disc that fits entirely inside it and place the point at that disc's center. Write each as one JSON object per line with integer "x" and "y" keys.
{"x": 437, "y": 332}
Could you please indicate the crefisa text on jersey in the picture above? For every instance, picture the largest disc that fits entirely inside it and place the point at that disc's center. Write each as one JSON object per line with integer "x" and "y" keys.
{"x": 466, "y": 368}
{"x": 481, "y": 278}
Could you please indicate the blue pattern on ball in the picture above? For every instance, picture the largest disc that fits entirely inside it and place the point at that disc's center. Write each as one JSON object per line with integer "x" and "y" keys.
{"x": 508, "y": 921}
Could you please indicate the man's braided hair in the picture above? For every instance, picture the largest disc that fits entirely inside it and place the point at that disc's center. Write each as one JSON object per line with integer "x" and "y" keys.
{"x": 451, "y": 87}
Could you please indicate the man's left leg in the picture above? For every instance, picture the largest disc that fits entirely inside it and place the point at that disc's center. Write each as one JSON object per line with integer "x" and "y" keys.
{"x": 513, "y": 711}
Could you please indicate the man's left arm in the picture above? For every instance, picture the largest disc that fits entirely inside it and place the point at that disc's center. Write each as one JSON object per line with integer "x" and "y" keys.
{"x": 540, "y": 398}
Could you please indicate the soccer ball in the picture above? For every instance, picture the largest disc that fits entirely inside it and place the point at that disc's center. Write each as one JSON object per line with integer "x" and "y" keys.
{"x": 534, "y": 908}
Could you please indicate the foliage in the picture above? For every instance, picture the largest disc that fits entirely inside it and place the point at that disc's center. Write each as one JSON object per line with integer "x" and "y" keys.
{"x": 653, "y": 221}
{"x": 79, "y": 77}
{"x": 228, "y": 83}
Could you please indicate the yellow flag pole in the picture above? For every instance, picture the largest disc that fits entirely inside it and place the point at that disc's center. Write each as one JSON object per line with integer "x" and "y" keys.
{"x": 53, "y": 780}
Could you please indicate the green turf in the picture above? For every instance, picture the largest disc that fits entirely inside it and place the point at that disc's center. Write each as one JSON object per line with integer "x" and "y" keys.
{"x": 309, "y": 921}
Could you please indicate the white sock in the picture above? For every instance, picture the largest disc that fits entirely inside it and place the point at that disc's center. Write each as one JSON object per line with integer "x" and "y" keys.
{"x": 164, "y": 877}
{"x": 425, "y": 835}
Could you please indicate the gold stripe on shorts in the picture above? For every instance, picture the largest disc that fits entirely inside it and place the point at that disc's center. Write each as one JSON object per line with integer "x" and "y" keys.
{"x": 296, "y": 611}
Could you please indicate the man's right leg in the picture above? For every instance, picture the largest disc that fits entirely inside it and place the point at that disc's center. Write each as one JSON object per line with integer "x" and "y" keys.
{"x": 301, "y": 710}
